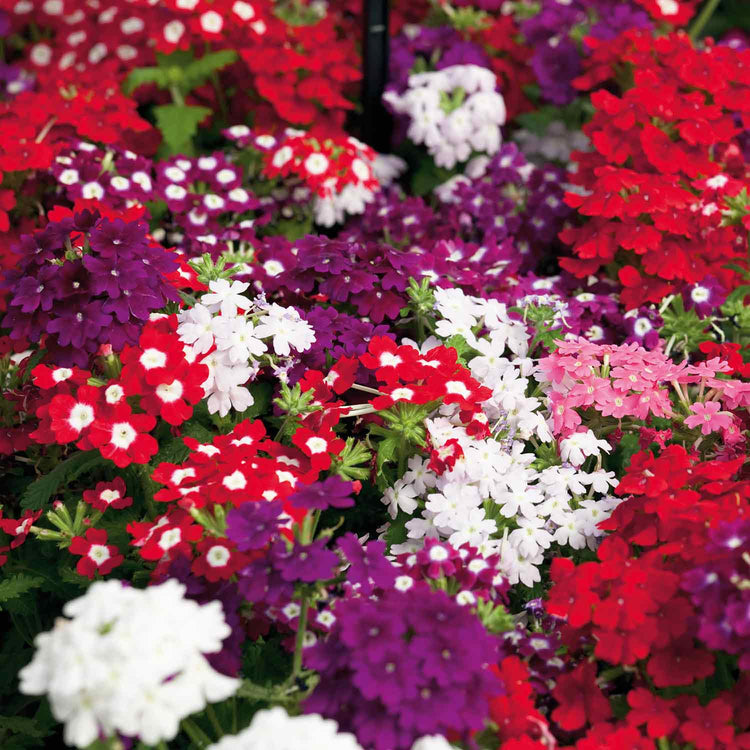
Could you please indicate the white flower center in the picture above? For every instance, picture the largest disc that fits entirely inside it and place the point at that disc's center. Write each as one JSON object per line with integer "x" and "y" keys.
{"x": 169, "y": 392}
{"x": 81, "y": 416}
{"x": 123, "y": 435}
{"x": 153, "y": 358}
{"x": 99, "y": 553}
{"x": 235, "y": 481}
{"x": 218, "y": 556}
{"x": 316, "y": 445}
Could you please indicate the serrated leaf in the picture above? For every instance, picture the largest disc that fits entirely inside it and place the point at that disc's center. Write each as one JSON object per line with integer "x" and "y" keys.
{"x": 18, "y": 585}
{"x": 387, "y": 450}
{"x": 178, "y": 124}
{"x": 68, "y": 575}
{"x": 42, "y": 489}
{"x": 197, "y": 71}
{"x": 142, "y": 76}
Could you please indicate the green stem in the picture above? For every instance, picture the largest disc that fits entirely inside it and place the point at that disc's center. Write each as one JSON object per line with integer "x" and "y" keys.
{"x": 177, "y": 96}
{"x": 300, "y": 640}
{"x": 702, "y": 19}
{"x": 214, "y": 719}
{"x": 663, "y": 743}
{"x": 196, "y": 734}
{"x": 282, "y": 428}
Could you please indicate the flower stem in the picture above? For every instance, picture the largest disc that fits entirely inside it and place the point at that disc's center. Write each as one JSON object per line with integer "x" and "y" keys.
{"x": 214, "y": 719}
{"x": 196, "y": 734}
{"x": 703, "y": 17}
{"x": 300, "y": 640}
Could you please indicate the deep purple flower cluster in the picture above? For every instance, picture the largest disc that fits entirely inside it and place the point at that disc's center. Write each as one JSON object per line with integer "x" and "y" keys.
{"x": 332, "y": 492}
{"x": 554, "y": 31}
{"x": 510, "y": 199}
{"x": 720, "y": 591}
{"x": 87, "y": 281}
{"x": 403, "y": 665}
{"x": 371, "y": 276}
{"x": 253, "y": 525}
{"x": 337, "y": 335}
{"x": 271, "y": 578}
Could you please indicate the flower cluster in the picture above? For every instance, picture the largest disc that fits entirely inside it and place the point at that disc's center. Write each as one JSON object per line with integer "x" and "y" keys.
{"x": 341, "y": 173}
{"x": 228, "y": 328}
{"x": 143, "y": 668}
{"x": 657, "y": 182}
{"x": 87, "y": 281}
{"x": 347, "y": 441}
{"x": 388, "y": 663}
{"x": 455, "y": 112}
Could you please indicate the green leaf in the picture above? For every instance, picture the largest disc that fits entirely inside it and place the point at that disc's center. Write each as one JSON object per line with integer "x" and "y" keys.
{"x": 17, "y": 585}
{"x": 41, "y": 490}
{"x": 428, "y": 176}
{"x": 178, "y": 125}
{"x": 738, "y": 294}
{"x": 197, "y": 71}
{"x": 387, "y": 450}
{"x": 22, "y": 725}
{"x": 142, "y": 76}
{"x": 396, "y": 532}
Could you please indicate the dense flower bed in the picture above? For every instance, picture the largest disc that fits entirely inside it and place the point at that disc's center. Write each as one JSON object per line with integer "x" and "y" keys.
{"x": 308, "y": 446}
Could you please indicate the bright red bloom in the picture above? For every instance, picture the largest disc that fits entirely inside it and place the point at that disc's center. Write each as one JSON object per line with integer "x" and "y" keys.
{"x": 167, "y": 538}
{"x": 681, "y": 663}
{"x": 651, "y": 710}
{"x": 218, "y": 559}
{"x": 709, "y": 726}
{"x": 123, "y": 436}
{"x": 73, "y": 417}
{"x": 172, "y": 398}
{"x": 390, "y": 361}
{"x": 581, "y": 701}
{"x": 444, "y": 458}
{"x": 108, "y": 495}
{"x": 50, "y": 377}
{"x": 98, "y": 556}
{"x": 19, "y": 528}
{"x": 318, "y": 446}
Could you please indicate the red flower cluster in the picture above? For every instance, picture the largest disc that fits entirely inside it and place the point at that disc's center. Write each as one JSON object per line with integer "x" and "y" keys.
{"x": 664, "y": 160}
{"x": 244, "y": 466}
{"x": 312, "y": 64}
{"x": 629, "y": 609}
{"x": 326, "y": 162}
{"x": 418, "y": 378}
{"x": 155, "y": 372}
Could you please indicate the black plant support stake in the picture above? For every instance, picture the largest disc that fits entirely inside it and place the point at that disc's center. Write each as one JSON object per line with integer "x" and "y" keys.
{"x": 376, "y": 123}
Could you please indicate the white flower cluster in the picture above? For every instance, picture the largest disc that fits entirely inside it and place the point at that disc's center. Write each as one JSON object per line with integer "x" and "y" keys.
{"x": 454, "y": 112}
{"x": 493, "y": 488}
{"x": 228, "y": 328}
{"x": 334, "y": 207}
{"x": 129, "y": 661}
{"x": 274, "y": 729}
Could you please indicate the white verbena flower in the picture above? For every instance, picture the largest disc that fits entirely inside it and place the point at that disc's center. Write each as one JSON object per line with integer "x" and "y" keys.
{"x": 130, "y": 661}
{"x": 274, "y": 729}
{"x": 226, "y": 296}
